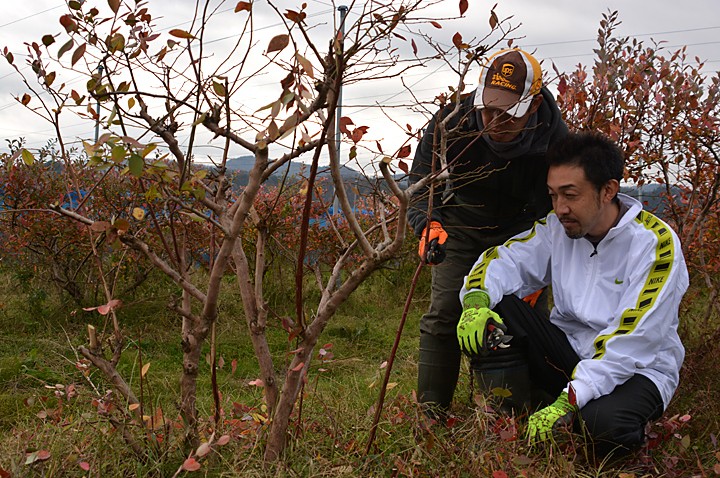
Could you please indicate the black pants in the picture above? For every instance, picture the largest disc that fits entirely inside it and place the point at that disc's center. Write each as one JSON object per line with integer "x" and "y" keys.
{"x": 614, "y": 422}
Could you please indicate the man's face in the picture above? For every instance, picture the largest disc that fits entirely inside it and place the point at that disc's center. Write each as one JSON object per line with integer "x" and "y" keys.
{"x": 502, "y": 127}
{"x": 581, "y": 209}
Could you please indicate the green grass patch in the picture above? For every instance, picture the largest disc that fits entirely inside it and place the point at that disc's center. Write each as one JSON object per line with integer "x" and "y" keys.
{"x": 55, "y": 412}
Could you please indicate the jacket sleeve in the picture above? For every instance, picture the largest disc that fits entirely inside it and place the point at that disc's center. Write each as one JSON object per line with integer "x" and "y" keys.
{"x": 647, "y": 312}
{"x": 421, "y": 167}
{"x": 520, "y": 266}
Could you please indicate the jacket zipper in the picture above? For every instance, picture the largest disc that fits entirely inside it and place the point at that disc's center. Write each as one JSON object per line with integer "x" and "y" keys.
{"x": 593, "y": 272}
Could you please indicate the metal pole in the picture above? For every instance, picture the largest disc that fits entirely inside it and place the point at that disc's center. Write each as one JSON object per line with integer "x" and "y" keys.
{"x": 343, "y": 9}
{"x": 97, "y": 120}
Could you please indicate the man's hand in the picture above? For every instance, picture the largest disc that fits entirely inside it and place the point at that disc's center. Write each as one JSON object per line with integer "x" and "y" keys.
{"x": 541, "y": 423}
{"x": 477, "y": 323}
{"x": 432, "y": 243}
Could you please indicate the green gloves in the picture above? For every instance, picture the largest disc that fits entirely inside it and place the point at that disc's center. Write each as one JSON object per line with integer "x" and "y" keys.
{"x": 480, "y": 329}
{"x": 541, "y": 423}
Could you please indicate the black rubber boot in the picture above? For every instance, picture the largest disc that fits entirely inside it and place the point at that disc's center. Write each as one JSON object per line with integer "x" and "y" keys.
{"x": 501, "y": 372}
{"x": 438, "y": 369}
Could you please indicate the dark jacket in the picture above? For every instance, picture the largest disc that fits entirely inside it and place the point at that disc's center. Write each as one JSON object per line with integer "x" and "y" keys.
{"x": 503, "y": 193}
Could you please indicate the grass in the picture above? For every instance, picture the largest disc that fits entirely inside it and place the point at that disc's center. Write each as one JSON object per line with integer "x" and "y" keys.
{"x": 54, "y": 412}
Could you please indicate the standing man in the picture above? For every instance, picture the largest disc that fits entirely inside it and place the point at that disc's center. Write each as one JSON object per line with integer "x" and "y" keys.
{"x": 610, "y": 352}
{"x": 496, "y": 190}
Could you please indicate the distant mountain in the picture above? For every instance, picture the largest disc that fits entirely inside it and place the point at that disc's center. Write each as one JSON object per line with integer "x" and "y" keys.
{"x": 652, "y": 196}
{"x": 355, "y": 181}
{"x": 296, "y": 168}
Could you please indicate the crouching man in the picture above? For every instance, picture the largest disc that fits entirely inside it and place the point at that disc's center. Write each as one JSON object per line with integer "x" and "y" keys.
{"x": 610, "y": 352}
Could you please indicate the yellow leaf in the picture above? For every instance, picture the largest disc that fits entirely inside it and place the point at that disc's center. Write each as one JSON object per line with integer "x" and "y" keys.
{"x": 138, "y": 213}
{"x": 145, "y": 369}
{"x": 148, "y": 149}
{"x": 176, "y": 32}
{"x": 258, "y": 418}
{"x": 219, "y": 89}
{"x": 200, "y": 119}
{"x": 27, "y": 157}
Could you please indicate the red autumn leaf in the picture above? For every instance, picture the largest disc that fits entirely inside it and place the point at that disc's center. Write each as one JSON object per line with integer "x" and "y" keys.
{"x": 191, "y": 464}
{"x": 84, "y": 465}
{"x": 43, "y": 455}
{"x": 277, "y": 43}
{"x": 403, "y": 166}
{"x": 48, "y": 40}
{"x": 379, "y": 146}
{"x": 105, "y": 308}
{"x": 358, "y": 133}
{"x": 114, "y": 5}
{"x": 296, "y": 17}
{"x": 298, "y": 367}
{"x": 78, "y": 53}
{"x": 435, "y": 24}
{"x": 404, "y": 151}
{"x": 66, "y": 47}
{"x": 287, "y": 324}
{"x": 463, "y": 6}
{"x": 344, "y": 123}
{"x": 414, "y": 46}
{"x": 562, "y": 85}
{"x": 233, "y": 366}
{"x": 223, "y": 440}
{"x": 68, "y": 23}
{"x": 457, "y": 40}
{"x": 243, "y": 6}
{"x": 493, "y": 19}
{"x": 499, "y": 474}
{"x": 294, "y": 333}
{"x": 306, "y": 65}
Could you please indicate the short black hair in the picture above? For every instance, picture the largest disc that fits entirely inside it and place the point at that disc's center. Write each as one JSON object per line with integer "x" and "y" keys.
{"x": 600, "y": 158}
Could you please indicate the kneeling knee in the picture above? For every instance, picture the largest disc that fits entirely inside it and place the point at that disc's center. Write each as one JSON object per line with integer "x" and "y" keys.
{"x": 611, "y": 430}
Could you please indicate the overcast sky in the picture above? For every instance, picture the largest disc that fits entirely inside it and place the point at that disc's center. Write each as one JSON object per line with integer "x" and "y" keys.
{"x": 558, "y": 31}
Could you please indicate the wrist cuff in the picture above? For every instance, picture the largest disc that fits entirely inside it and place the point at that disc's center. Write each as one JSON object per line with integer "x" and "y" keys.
{"x": 476, "y": 299}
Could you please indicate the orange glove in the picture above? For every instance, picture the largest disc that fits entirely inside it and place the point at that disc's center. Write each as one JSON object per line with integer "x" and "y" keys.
{"x": 432, "y": 243}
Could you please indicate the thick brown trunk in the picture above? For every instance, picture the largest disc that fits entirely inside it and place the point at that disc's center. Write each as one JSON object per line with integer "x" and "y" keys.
{"x": 191, "y": 346}
{"x": 277, "y": 438}
{"x": 256, "y": 318}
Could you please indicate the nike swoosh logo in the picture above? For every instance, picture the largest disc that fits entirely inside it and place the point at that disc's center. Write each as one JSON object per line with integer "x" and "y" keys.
{"x": 618, "y": 281}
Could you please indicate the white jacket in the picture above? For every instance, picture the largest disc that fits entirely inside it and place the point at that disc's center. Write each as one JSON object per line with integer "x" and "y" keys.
{"x": 617, "y": 304}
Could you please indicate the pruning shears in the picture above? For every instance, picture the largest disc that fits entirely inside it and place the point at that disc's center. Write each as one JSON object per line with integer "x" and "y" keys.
{"x": 496, "y": 338}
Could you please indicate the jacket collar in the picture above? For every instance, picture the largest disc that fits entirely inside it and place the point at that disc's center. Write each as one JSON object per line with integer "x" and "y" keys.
{"x": 633, "y": 209}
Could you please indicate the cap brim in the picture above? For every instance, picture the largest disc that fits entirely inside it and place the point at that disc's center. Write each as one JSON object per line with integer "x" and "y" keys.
{"x": 503, "y": 100}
